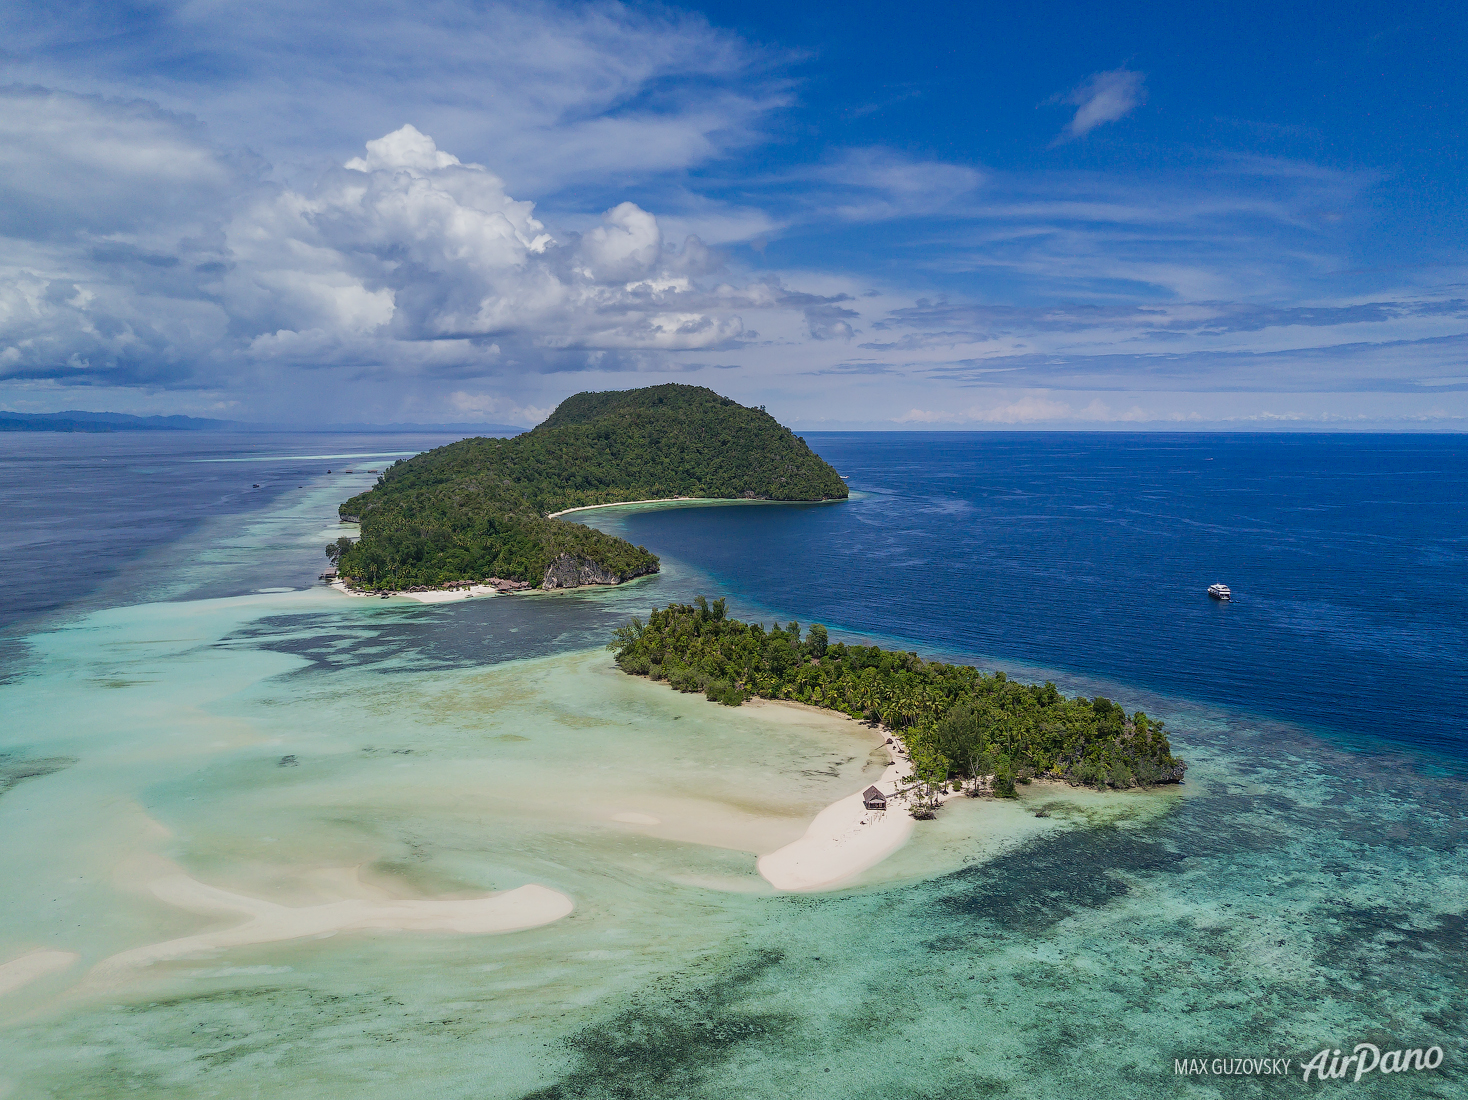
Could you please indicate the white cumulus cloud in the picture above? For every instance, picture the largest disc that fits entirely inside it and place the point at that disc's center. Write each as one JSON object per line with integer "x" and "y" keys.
{"x": 175, "y": 265}
{"x": 626, "y": 246}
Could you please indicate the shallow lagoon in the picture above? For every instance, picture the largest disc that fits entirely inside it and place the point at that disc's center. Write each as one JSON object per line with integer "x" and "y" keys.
{"x": 1290, "y": 895}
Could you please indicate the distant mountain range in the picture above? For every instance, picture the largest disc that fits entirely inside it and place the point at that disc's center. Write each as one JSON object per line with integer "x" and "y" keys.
{"x": 455, "y": 428}
{"x": 74, "y": 420}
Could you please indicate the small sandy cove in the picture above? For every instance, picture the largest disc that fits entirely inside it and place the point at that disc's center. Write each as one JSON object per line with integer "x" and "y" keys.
{"x": 845, "y": 838}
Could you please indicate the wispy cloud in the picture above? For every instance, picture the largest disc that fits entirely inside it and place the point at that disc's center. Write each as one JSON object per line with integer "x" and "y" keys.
{"x": 875, "y": 184}
{"x": 864, "y": 185}
{"x": 1040, "y": 408}
{"x": 1324, "y": 364}
{"x": 1101, "y": 98}
{"x": 857, "y": 367}
{"x": 1029, "y": 409}
{"x": 552, "y": 94}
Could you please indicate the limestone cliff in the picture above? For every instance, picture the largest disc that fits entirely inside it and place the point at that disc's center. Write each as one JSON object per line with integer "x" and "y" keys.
{"x": 567, "y": 571}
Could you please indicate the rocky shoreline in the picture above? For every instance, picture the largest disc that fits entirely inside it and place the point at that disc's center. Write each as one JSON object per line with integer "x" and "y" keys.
{"x": 572, "y": 572}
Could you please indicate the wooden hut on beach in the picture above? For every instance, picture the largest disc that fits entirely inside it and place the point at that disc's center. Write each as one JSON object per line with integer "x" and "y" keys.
{"x": 873, "y": 799}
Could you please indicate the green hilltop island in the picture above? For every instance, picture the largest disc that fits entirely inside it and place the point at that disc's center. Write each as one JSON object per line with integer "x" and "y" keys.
{"x": 960, "y": 728}
{"x": 485, "y": 510}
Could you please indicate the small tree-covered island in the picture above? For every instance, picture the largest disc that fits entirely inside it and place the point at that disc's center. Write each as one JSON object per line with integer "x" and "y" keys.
{"x": 486, "y": 508}
{"x": 959, "y": 726}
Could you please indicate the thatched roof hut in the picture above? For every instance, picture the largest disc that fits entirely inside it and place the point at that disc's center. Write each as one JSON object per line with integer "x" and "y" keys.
{"x": 873, "y": 799}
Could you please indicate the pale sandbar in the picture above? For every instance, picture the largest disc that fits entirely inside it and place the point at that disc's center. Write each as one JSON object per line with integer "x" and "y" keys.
{"x": 29, "y": 967}
{"x": 510, "y": 911}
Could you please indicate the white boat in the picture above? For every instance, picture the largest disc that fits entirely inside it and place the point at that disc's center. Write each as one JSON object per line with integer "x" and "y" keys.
{"x": 1220, "y": 592}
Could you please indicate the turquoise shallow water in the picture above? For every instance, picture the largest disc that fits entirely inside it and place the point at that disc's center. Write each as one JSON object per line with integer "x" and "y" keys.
{"x": 1295, "y": 893}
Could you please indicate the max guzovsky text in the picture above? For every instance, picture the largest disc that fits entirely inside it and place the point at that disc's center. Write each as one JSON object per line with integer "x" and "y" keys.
{"x": 1230, "y": 1067}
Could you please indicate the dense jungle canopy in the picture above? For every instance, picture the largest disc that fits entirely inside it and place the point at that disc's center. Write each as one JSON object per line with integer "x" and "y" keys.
{"x": 483, "y": 507}
{"x": 954, "y": 719}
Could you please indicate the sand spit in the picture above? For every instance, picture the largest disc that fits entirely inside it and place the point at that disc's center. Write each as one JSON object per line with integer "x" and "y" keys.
{"x": 511, "y": 911}
{"x": 844, "y": 839}
{"x": 29, "y": 967}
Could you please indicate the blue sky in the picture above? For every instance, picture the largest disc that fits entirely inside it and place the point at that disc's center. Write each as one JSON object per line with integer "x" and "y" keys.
{"x": 860, "y": 215}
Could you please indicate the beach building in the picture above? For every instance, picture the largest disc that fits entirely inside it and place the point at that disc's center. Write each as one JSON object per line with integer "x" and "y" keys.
{"x": 873, "y": 799}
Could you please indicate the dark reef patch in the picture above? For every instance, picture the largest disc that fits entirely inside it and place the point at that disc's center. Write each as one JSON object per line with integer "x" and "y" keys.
{"x": 672, "y": 1047}
{"x": 1047, "y": 880}
{"x": 240, "y": 1041}
{"x": 1360, "y": 942}
{"x": 415, "y": 638}
{"x": 15, "y": 768}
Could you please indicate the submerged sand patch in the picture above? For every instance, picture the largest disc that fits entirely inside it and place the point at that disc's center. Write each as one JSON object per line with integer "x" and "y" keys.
{"x": 36, "y": 964}
{"x": 631, "y": 817}
{"x": 525, "y": 907}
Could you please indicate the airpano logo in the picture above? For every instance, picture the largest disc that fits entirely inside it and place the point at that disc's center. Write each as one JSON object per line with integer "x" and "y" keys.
{"x": 1368, "y": 1058}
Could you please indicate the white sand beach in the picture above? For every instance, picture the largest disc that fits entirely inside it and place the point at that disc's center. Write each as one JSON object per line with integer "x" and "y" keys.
{"x": 625, "y": 503}
{"x": 439, "y": 595}
{"x": 844, "y": 839}
{"x": 679, "y": 500}
{"x": 445, "y": 595}
{"x": 511, "y": 911}
{"x": 36, "y": 964}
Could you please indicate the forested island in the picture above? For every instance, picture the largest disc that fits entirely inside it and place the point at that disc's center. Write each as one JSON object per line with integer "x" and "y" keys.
{"x": 484, "y": 508}
{"x": 957, "y": 723}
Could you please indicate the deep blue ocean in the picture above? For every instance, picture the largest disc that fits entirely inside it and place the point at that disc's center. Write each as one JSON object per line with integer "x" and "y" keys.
{"x": 1087, "y": 553}
{"x": 1092, "y": 553}
{"x": 82, "y": 512}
